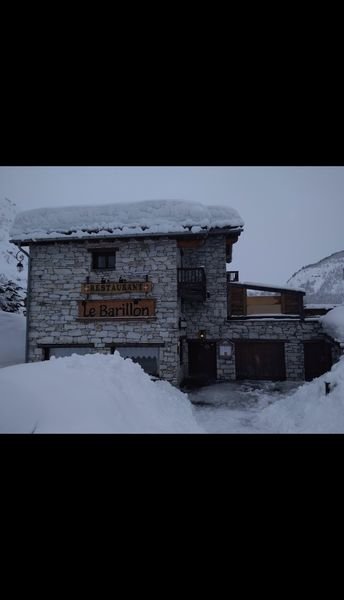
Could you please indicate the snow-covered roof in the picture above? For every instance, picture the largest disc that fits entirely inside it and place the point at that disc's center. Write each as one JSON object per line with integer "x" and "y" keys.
{"x": 251, "y": 284}
{"x": 316, "y": 306}
{"x": 156, "y": 217}
{"x": 333, "y": 323}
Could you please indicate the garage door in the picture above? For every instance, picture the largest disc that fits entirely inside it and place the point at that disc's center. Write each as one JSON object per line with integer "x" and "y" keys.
{"x": 318, "y": 359}
{"x": 260, "y": 360}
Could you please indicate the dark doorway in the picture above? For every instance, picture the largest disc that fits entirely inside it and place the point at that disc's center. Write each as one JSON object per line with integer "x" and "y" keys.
{"x": 318, "y": 359}
{"x": 202, "y": 361}
{"x": 260, "y": 360}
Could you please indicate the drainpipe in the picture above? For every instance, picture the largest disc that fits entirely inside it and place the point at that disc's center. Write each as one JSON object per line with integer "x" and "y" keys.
{"x": 27, "y": 304}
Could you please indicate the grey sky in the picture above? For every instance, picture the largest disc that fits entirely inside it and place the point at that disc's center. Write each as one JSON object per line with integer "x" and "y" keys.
{"x": 293, "y": 215}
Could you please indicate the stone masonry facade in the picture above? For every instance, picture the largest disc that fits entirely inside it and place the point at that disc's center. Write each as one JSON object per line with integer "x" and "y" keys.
{"x": 211, "y": 316}
{"x": 58, "y": 270}
{"x": 292, "y": 332}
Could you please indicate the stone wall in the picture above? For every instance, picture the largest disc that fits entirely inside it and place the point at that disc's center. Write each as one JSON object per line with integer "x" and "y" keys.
{"x": 211, "y": 314}
{"x": 59, "y": 269}
{"x": 292, "y": 331}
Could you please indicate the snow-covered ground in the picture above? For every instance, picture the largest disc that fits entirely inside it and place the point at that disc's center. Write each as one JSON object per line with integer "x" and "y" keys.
{"x": 90, "y": 394}
{"x": 250, "y": 407}
{"x": 235, "y": 407}
{"x": 108, "y": 394}
{"x": 99, "y": 393}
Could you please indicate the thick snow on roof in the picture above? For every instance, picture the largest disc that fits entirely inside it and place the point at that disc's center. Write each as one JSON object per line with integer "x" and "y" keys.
{"x": 333, "y": 323}
{"x": 329, "y": 306}
{"x": 268, "y": 285}
{"x": 149, "y": 216}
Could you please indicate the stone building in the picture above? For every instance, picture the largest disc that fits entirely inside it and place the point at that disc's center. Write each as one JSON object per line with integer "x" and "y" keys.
{"x": 150, "y": 280}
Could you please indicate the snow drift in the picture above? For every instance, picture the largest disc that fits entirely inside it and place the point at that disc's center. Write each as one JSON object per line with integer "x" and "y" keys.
{"x": 94, "y": 393}
{"x": 333, "y": 323}
{"x": 309, "y": 409}
{"x": 149, "y": 216}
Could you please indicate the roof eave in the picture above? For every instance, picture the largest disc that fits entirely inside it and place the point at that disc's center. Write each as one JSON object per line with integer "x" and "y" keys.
{"x": 69, "y": 238}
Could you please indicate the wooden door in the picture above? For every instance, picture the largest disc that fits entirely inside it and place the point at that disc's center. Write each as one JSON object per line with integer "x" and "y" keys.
{"x": 202, "y": 360}
{"x": 318, "y": 359}
{"x": 260, "y": 360}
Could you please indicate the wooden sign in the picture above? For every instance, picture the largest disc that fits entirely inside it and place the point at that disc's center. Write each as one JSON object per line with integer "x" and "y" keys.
{"x": 117, "y": 309}
{"x": 117, "y": 287}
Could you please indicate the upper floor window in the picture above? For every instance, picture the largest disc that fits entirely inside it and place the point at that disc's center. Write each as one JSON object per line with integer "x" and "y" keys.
{"x": 104, "y": 259}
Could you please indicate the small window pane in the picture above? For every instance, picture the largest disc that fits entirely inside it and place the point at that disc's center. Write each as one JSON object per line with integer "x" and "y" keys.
{"x": 104, "y": 260}
{"x": 111, "y": 261}
{"x": 101, "y": 263}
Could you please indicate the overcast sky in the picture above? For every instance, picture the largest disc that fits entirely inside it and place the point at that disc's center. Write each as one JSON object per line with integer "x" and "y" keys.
{"x": 293, "y": 215}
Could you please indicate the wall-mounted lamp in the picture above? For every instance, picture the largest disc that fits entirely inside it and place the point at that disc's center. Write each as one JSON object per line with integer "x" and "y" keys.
{"x": 201, "y": 334}
{"x": 20, "y": 258}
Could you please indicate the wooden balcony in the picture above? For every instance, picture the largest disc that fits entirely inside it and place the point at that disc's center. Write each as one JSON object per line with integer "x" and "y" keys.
{"x": 277, "y": 303}
{"x": 192, "y": 284}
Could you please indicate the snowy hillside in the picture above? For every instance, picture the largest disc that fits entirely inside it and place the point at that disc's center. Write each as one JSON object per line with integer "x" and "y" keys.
{"x": 12, "y": 283}
{"x": 323, "y": 281}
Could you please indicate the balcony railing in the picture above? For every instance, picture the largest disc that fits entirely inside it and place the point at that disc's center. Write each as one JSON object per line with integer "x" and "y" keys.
{"x": 232, "y": 276}
{"x": 192, "y": 284}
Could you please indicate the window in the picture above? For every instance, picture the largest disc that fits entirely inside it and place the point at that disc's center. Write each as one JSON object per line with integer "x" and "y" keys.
{"x": 104, "y": 259}
{"x": 146, "y": 356}
{"x": 60, "y": 351}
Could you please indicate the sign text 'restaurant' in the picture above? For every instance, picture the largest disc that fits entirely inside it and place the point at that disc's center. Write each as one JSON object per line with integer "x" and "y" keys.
{"x": 116, "y": 287}
{"x": 117, "y": 309}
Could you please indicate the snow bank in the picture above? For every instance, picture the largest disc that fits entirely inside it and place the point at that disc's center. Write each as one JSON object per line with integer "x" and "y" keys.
{"x": 309, "y": 409}
{"x": 150, "y": 216}
{"x": 94, "y": 393}
{"x": 12, "y": 338}
{"x": 333, "y": 323}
